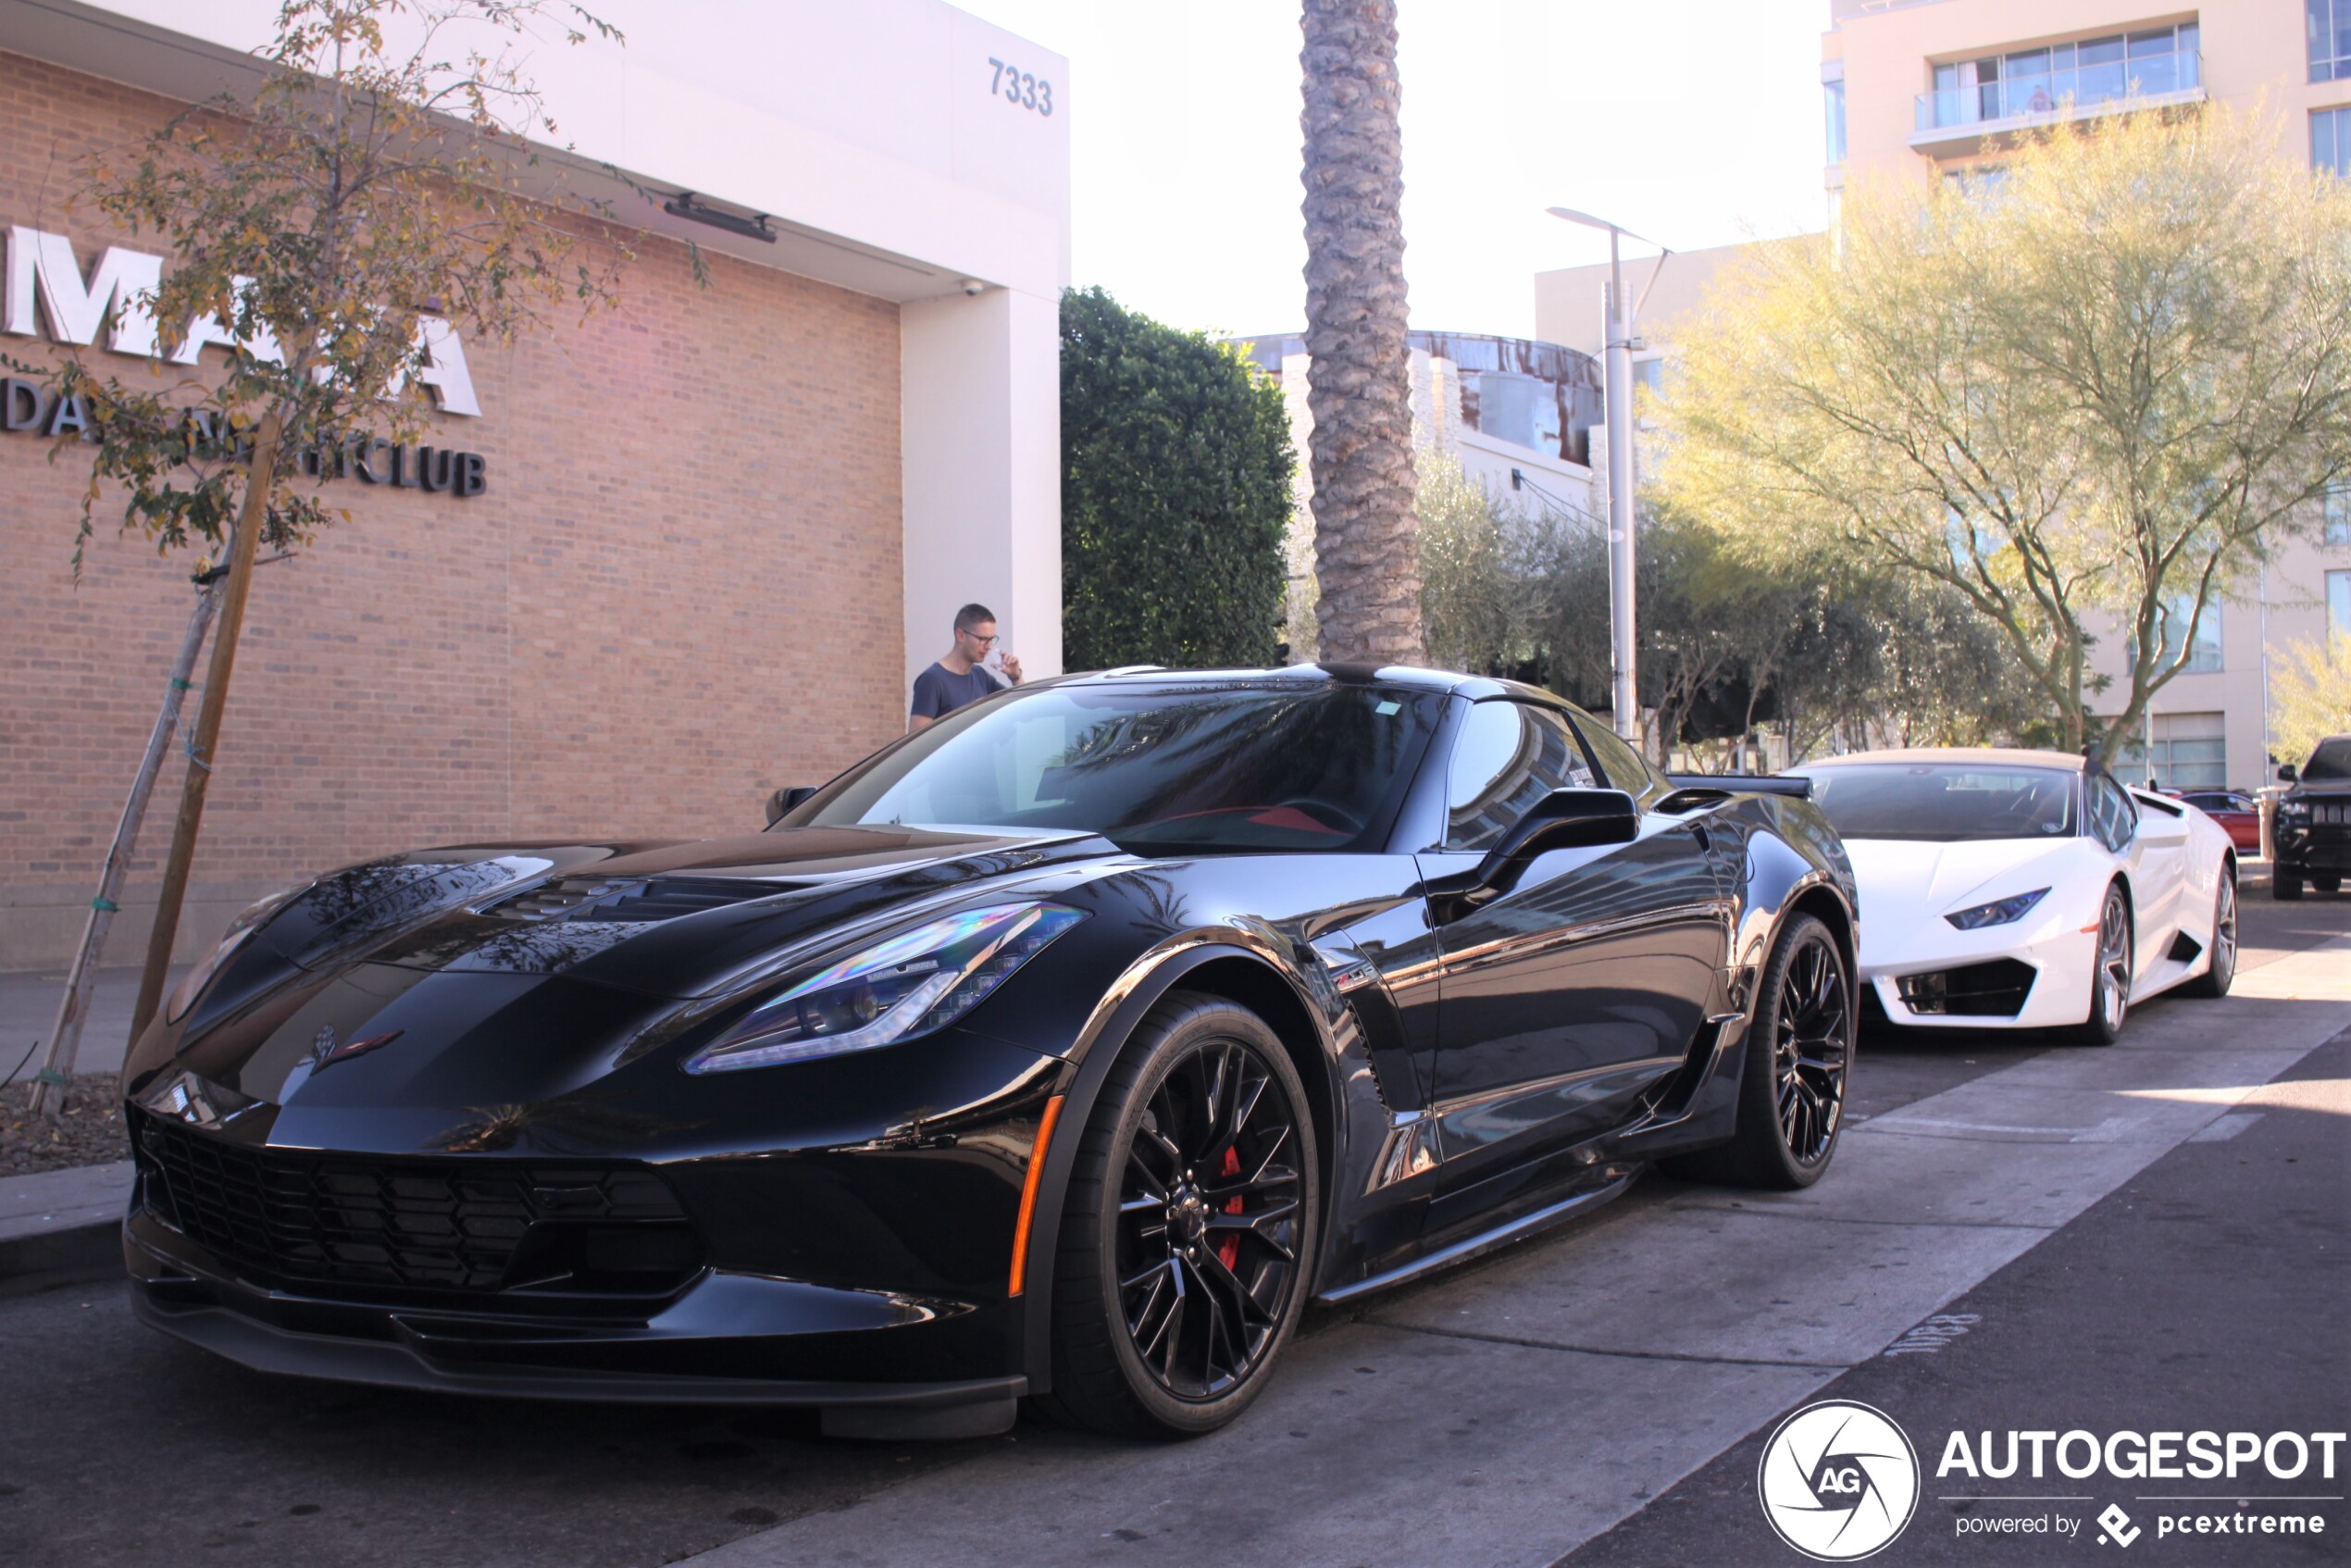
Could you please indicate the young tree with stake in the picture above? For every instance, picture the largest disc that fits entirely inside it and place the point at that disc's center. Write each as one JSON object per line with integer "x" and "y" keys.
{"x": 376, "y": 187}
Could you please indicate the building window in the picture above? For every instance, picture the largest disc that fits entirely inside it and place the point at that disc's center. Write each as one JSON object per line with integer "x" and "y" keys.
{"x": 1981, "y": 178}
{"x": 2331, "y": 140}
{"x": 2338, "y": 606}
{"x": 2203, "y": 658}
{"x": 2330, "y": 29}
{"x": 1832, "y": 103}
{"x": 2338, "y": 533}
{"x": 2191, "y": 752}
{"x": 2092, "y": 70}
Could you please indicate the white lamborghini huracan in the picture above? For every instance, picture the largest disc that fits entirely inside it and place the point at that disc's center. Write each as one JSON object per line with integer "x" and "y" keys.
{"x": 2021, "y": 890}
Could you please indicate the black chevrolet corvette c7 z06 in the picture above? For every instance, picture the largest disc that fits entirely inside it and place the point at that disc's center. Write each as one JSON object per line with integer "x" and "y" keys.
{"x": 1062, "y": 1049}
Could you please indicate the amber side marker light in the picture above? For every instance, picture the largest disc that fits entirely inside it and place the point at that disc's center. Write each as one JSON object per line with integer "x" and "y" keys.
{"x": 1028, "y": 1192}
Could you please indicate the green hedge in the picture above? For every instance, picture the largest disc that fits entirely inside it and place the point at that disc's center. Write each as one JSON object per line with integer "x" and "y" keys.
{"x": 1176, "y": 492}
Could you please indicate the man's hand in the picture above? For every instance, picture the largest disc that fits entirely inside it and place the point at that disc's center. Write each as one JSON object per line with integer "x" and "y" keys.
{"x": 1011, "y": 668}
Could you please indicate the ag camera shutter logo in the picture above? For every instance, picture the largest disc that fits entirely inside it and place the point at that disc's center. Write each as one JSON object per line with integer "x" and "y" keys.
{"x": 1838, "y": 1480}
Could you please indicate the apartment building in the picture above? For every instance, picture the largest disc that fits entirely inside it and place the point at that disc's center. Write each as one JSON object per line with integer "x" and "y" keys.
{"x": 1938, "y": 90}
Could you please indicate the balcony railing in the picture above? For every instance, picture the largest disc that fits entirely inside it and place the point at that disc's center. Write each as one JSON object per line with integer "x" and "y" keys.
{"x": 2049, "y": 93}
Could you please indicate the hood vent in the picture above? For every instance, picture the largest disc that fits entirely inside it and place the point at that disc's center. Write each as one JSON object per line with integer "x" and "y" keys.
{"x": 634, "y": 900}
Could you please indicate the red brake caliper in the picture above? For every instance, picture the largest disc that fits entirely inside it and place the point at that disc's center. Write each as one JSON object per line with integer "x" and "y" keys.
{"x": 1230, "y": 1250}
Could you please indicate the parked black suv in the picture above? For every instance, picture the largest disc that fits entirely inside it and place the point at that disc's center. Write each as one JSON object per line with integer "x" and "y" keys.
{"x": 2314, "y": 821}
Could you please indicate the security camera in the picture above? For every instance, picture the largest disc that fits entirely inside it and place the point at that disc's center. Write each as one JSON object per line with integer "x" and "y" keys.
{"x": 972, "y": 286}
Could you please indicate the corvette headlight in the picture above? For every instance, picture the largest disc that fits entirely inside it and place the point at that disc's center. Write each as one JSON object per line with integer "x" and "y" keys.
{"x": 905, "y": 986}
{"x": 1999, "y": 912}
{"x": 183, "y": 995}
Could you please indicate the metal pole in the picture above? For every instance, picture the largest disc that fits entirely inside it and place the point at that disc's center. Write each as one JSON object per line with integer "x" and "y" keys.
{"x": 1620, "y": 499}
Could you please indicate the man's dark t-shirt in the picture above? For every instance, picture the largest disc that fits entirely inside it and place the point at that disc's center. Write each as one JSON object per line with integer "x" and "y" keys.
{"x": 940, "y": 690}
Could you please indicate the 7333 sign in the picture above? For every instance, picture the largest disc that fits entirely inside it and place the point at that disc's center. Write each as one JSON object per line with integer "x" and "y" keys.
{"x": 1020, "y": 88}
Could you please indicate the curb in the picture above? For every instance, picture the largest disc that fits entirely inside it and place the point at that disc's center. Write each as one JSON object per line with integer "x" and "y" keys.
{"x": 74, "y": 1254}
{"x": 62, "y": 1227}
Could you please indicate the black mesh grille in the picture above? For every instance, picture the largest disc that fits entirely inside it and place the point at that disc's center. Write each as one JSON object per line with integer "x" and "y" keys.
{"x": 1993, "y": 989}
{"x": 283, "y": 1217}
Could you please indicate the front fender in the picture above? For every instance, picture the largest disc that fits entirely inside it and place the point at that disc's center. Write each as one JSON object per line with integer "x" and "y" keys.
{"x": 1111, "y": 1023}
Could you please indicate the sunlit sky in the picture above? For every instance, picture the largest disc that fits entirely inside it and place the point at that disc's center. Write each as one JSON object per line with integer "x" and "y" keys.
{"x": 1697, "y": 122}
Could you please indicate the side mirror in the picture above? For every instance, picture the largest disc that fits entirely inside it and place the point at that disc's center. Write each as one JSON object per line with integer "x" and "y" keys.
{"x": 1564, "y": 819}
{"x": 785, "y": 799}
{"x": 2288, "y": 773}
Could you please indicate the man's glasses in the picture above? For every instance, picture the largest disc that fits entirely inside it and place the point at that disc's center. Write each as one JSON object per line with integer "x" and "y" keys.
{"x": 984, "y": 641}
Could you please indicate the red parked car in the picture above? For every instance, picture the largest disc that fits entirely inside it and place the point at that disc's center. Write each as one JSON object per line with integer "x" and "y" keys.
{"x": 2232, "y": 810}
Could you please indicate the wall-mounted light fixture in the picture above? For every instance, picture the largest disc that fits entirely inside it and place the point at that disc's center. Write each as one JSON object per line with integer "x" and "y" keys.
{"x": 753, "y": 227}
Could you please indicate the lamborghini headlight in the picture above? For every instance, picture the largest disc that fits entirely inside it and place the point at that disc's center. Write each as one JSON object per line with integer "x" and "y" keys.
{"x": 907, "y": 985}
{"x": 183, "y": 995}
{"x": 1999, "y": 912}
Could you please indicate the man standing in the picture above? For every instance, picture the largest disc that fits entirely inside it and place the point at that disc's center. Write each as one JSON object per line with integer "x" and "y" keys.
{"x": 957, "y": 678}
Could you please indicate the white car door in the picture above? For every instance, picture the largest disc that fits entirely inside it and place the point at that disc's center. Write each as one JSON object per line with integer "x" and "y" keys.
{"x": 2161, "y": 847}
{"x": 2150, "y": 858}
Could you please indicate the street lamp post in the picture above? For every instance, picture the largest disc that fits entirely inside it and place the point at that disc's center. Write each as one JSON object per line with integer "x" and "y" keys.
{"x": 1618, "y": 363}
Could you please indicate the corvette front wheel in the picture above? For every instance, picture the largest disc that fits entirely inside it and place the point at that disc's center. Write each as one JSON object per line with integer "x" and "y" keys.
{"x": 1189, "y": 1228}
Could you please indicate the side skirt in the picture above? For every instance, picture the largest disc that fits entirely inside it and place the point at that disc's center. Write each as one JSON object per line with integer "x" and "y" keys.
{"x": 1500, "y": 1236}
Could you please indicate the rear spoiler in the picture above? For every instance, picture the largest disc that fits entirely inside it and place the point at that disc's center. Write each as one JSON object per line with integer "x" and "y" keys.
{"x": 1744, "y": 783}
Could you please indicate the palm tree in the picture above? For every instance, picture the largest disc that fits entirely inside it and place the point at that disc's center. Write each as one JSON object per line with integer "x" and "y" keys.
{"x": 1366, "y": 545}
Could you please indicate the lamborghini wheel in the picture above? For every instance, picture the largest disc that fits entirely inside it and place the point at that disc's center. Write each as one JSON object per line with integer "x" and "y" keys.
{"x": 1189, "y": 1230}
{"x": 2109, "y": 974}
{"x": 2223, "y": 971}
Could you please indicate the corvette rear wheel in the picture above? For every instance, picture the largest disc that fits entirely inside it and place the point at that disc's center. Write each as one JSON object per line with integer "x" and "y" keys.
{"x": 1188, "y": 1230}
{"x": 1792, "y": 1088}
{"x": 2223, "y": 971}
{"x": 2111, "y": 973}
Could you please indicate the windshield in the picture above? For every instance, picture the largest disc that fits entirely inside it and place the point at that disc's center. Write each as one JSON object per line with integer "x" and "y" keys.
{"x": 1156, "y": 769}
{"x": 1945, "y": 803}
{"x": 2331, "y": 760}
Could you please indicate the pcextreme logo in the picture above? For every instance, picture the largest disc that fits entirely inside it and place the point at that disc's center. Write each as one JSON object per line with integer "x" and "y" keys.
{"x": 1838, "y": 1480}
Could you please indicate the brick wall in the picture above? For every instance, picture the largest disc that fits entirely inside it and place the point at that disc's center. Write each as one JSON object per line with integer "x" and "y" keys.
{"x": 682, "y": 588}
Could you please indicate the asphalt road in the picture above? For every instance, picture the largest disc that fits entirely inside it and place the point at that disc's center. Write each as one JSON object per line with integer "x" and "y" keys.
{"x": 1600, "y": 1391}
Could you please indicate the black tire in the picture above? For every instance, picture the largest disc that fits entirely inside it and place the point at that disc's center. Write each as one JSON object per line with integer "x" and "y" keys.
{"x": 2327, "y": 885}
{"x": 2110, "y": 973}
{"x": 2285, "y": 885}
{"x": 2222, "y": 972}
{"x": 1146, "y": 1233}
{"x": 1799, "y": 1055}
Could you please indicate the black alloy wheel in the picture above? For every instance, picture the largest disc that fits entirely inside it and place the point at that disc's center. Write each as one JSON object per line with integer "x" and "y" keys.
{"x": 1188, "y": 1231}
{"x": 1809, "y": 1049}
{"x": 1799, "y": 1055}
{"x": 2110, "y": 973}
{"x": 2222, "y": 972}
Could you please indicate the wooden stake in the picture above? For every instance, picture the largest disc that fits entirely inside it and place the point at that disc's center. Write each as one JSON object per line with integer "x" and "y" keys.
{"x": 260, "y": 480}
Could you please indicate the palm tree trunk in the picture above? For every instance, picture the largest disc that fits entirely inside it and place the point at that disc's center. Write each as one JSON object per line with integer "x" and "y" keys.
{"x": 1366, "y": 540}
